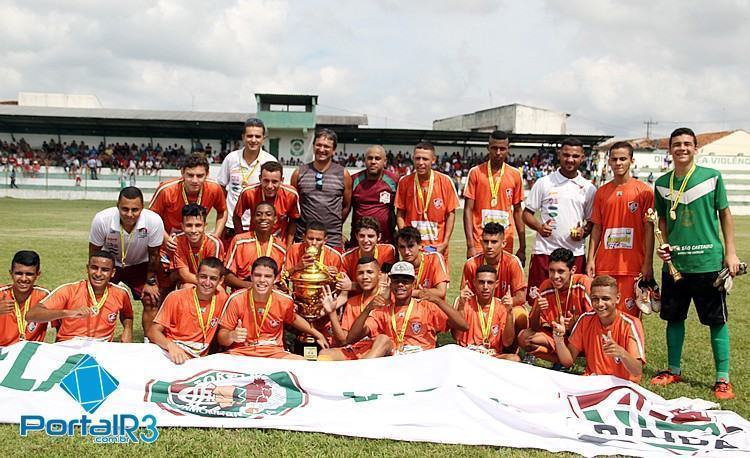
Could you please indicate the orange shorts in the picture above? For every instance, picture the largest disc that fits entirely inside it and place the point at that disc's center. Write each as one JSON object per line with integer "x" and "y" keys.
{"x": 262, "y": 351}
{"x": 548, "y": 347}
{"x": 357, "y": 350}
{"x": 626, "y": 285}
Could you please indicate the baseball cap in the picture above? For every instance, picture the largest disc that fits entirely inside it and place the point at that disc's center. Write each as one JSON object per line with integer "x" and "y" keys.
{"x": 403, "y": 268}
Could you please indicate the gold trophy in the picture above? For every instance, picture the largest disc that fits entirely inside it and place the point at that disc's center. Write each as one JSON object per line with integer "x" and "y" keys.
{"x": 307, "y": 290}
{"x": 653, "y": 218}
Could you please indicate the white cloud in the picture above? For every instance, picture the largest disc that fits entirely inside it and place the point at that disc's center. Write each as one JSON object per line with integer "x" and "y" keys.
{"x": 611, "y": 64}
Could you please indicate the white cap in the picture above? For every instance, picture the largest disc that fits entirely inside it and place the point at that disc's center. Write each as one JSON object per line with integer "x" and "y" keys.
{"x": 403, "y": 268}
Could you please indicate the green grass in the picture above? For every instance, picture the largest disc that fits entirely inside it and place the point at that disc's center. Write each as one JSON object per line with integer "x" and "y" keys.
{"x": 58, "y": 230}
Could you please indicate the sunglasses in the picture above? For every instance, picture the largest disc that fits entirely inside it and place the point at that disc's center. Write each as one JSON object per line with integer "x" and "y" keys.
{"x": 319, "y": 181}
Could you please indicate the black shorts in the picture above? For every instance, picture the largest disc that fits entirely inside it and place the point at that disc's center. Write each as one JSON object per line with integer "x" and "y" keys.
{"x": 710, "y": 303}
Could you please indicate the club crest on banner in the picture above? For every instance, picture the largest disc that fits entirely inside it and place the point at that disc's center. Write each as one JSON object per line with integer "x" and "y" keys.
{"x": 216, "y": 393}
{"x": 622, "y": 414}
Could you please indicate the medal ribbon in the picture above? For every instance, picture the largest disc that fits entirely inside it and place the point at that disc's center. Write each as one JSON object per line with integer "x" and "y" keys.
{"x": 494, "y": 186}
{"x": 21, "y": 317}
{"x": 125, "y": 246}
{"x": 185, "y": 197}
{"x": 676, "y": 201}
{"x": 199, "y": 254}
{"x": 362, "y": 299}
{"x": 418, "y": 190}
{"x": 400, "y": 335}
{"x": 251, "y": 300}
{"x": 245, "y": 178}
{"x": 203, "y": 324}
{"x": 567, "y": 298}
{"x": 486, "y": 323}
{"x": 259, "y": 247}
{"x": 420, "y": 270}
{"x": 97, "y": 305}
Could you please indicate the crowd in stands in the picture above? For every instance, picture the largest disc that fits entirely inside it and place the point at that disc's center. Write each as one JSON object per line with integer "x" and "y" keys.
{"x": 130, "y": 159}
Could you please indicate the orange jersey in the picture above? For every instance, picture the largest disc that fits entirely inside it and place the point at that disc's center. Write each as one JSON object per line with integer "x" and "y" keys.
{"x": 185, "y": 256}
{"x": 353, "y": 309}
{"x": 384, "y": 253}
{"x": 441, "y": 202}
{"x": 510, "y": 274}
{"x": 181, "y": 324}
{"x": 620, "y": 211}
{"x": 264, "y": 328}
{"x": 331, "y": 257}
{"x": 431, "y": 271}
{"x": 97, "y": 327}
{"x": 588, "y": 336}
{"x": 169, "y": 198}
{"x": 424, "y": 323}
{"x": 9, "y": 333}
{"x": 509, "y": 193}
{"x": 474, "y": 335}
{"x": 243, "y": 251}
{"x": 577, "y": 302}
{"x": 286, "y": 204}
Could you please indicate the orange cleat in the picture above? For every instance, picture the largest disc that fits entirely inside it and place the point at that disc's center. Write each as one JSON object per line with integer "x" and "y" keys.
{"x": 723, "y": 390}
{"x": 665, "y": 378}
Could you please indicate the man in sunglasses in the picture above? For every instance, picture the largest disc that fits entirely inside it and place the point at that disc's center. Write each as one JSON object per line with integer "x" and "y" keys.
{"x": 325, "y": 190}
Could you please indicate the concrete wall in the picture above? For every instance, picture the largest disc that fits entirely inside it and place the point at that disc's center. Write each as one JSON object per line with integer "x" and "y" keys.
{"x": 511, "y": 118}
{"x": 534, "y": 121}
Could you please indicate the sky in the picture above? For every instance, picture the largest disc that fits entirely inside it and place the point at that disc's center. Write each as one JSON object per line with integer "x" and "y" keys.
{"x": 610, "y": 64}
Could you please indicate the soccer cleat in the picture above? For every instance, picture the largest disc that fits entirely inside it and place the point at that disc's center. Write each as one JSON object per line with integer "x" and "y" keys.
{"x": 723, "y": 390}
{"x": 665, "y": 378}
{"x": 656, "y": 298}
{"x": 642, "y": 295}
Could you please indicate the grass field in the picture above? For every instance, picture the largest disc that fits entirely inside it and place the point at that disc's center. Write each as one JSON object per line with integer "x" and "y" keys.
{"x": 59, "y": 232}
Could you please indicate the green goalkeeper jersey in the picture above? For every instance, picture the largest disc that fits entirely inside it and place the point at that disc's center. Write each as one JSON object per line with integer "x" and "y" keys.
{"x": 694, "y": 235}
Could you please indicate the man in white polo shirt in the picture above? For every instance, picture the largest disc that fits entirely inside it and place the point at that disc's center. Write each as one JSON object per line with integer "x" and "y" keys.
{"x": 558, "y": 208}
{"x": 242, "y": 168}
{"x": 134, "y": 236}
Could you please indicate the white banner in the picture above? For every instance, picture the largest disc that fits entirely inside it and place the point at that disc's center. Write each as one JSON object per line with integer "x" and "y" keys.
{"x": 447, "y": 395}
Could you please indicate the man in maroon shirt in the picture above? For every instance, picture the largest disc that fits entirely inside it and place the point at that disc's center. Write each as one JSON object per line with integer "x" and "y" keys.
{"x": 374, "y": 194}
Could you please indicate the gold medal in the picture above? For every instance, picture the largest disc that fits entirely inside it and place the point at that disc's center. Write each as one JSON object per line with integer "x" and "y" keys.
{"x": 673, "y": 215}
{"x": 97, "y": 305}
{"x": 493, "y": 202}
{"x": 486, "y": 343}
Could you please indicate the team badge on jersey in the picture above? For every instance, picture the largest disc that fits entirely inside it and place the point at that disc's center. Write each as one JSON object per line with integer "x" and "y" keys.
{"x": 214, "y": 322}
{"x": 273, "y": 323}
{"x": 385, "y": 197}
{"x": 416, "y": 326}
{"x": 509, "y": 194}
{"x": 495, "y": 329}
{"x": 632, "y": 206}
{"x": 112, "y": 317}
{"x": 31, "y": 327}
{"x": 438, "y": 202}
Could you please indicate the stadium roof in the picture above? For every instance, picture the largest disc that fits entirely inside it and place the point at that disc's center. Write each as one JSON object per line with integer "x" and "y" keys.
{"x": 451, "y": 137}
{"x": 136, "y": 123}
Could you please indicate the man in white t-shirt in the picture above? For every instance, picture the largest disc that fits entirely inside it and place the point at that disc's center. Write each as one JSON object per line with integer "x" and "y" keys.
{"x": 134, "y": 235}
{"x": 558, "y": 208}
{"x": 242, "y": 168}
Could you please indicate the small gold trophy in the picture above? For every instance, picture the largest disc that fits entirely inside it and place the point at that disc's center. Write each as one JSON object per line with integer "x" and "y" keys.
{"x": 653, "y": 218}
{"x": 307, "y": 290}
{"x": 577, "y": 230}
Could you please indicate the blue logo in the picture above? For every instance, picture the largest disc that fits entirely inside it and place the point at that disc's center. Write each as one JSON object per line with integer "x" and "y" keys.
{"x": 89, "y": 384}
